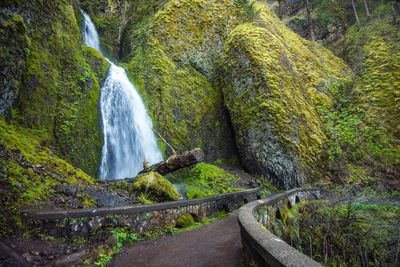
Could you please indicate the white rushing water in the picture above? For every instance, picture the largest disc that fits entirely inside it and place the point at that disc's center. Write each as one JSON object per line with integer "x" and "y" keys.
{"x": 127, "y": 128}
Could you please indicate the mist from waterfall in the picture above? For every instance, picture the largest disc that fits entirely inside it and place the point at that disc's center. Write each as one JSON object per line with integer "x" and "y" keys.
{"x": 127, "y": 128}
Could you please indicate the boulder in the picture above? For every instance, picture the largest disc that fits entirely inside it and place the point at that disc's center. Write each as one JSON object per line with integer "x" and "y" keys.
{"x": 156, "y": 186}
{"x": 273, "y": 84}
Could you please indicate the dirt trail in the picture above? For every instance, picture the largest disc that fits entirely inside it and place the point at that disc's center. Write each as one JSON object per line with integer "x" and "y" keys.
{"x": 216, "y": 244}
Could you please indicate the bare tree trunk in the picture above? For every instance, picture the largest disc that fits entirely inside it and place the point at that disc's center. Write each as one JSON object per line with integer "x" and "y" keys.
{"x": 310, "y": 21}
{"x": 367, "y": 10}
{"x": 355, "y": 13}
{"x": 280, "y": 8}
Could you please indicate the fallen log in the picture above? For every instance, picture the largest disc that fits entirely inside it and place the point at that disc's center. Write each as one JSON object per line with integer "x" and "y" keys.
{"x": 176, "y": 162}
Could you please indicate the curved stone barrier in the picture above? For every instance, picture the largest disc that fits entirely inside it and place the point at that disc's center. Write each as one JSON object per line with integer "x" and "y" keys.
{"x": 262, "y": 248}
{"x": 83, "y": 222}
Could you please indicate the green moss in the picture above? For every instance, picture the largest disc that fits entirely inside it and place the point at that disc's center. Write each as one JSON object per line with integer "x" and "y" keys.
{"x": 14, "y": 43}
{"x": 156, "y": 187}
{"x": 273, "y": 82}
{"x": 170, "y": 63}
{"x": 363, "y": 124}
{"x": 204, "y": 180}
{"x": 29, "y": 171}
{"x": 185, "y": 220}
{"x": 60, "y": 88}
{"x": 374, "y": 54}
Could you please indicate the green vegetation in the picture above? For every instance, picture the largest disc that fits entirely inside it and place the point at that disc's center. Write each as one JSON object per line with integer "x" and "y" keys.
{"x": 249, "y": 8}
{"x": 153, "y": 187}
{"x": 28, "y": 173}
{"x": 125, "y": 237}
{"x": 359, "y": 150}
{"x": 122, "y": 237}
{"x": 271, "y": 89}
{"x": 204, "y": 180}
{"x": 58, "y": 90}
{"x": 362, "y": 123}
{"x": 185, "y": 220}
{"x": 363, "y": 234}
{"x": 144, "y": 198}
{"x": 374, "y": 53}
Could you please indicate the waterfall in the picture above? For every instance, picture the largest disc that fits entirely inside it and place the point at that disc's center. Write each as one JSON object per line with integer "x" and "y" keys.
{"x": 127, "y": 128}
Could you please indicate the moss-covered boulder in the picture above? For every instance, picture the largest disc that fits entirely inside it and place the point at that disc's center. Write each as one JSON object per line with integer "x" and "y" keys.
{"x": 156, "y": 186}
{"x": 273, "y": 82}
{"x": 185, "y": 220}
{"x": 59, "y": 78}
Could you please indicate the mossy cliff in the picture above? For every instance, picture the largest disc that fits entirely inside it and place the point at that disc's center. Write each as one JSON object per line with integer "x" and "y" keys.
{"x": 59, "y": 78}
{"x": 186, "y": 107}
{"x": 13, "y": 53}
{"x": 273, "y": 82}
{"x": 178, "y": 54}
{"x": 374, "y": 54}
{"x": 363, "y": 124}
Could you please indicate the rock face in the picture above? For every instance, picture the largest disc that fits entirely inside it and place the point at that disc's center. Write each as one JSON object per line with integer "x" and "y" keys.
{"x": 193, "y": 59}
{"x": 13, "y": 53}
{"x": 173, "y": 59}
{"x": 55, "y": 79}
{"x": 218, "y": 75}
{"x": 273, "y": 83}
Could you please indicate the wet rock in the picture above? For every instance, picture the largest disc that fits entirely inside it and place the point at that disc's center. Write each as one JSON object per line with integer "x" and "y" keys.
{"x": 15, "y": 42}
{"x": 72, "y": 259}
{"x": 27, "y": 257}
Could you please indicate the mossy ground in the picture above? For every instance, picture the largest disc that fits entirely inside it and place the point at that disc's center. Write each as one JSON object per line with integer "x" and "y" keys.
{"x": 204, "y": 180}
{"x": 28, "y": 172}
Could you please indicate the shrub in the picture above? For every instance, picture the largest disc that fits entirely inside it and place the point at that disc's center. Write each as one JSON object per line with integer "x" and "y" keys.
{"x": 185, "y": 220}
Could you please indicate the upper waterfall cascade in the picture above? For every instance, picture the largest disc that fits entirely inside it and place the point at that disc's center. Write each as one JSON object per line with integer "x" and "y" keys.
{"x": 127, "y": 128}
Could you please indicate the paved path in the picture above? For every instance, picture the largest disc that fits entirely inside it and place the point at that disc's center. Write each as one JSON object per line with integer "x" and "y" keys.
{"x": 215, "y": 244}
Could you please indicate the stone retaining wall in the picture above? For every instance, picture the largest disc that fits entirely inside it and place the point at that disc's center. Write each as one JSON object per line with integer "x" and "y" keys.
{"x": 140, "y": 218}
{"x": 262, "y": 248}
